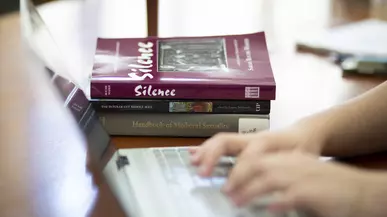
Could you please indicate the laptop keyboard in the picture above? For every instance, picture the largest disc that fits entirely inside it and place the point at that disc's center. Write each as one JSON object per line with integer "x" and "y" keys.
{"x": 176, "y": 167}
{"x": 203, "y": 195}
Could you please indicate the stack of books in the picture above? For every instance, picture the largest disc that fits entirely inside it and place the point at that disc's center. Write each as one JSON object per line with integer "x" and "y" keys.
{"x": 183, "y": 86}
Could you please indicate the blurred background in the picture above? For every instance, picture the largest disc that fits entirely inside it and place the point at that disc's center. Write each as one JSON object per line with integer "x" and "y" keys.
{"x": 343, "y": 9}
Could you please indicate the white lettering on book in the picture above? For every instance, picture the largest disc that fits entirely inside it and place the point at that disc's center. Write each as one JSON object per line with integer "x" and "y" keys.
{"x": 251, "y": 125}
{"x": 249, "y": 59}
{"x": 143, "y": 68}
{"x": 149, "y": 91}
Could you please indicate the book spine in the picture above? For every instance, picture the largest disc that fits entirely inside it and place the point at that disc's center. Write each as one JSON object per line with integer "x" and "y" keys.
{"x": 182, "y": 106}
{"x": 181, "y": 125}
{"x": 121, "y": 90}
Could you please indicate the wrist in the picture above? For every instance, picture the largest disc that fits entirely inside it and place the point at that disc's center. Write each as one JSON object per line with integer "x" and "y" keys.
{"x": 313, "y": 134}
{"x": 373, "y": 194}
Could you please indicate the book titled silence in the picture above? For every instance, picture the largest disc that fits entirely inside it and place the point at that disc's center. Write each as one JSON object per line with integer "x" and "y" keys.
{"x": 225, "y": 67}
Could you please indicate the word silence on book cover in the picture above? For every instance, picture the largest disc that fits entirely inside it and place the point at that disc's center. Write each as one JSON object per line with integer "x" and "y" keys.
{"x": 216, "y": 67}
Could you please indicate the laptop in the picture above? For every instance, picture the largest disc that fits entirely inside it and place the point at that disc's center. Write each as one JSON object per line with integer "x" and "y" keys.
{"x": 150, "y": 182}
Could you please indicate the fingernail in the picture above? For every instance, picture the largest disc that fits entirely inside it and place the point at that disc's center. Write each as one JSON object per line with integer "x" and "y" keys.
{"x": 194, "y": 158}
{"x": 238, "y": 201}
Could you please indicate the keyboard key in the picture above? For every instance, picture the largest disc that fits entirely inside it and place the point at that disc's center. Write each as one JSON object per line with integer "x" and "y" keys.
{"x": 175, "y": 162}
{"x": 218, "y": 181}
{"x": 201, "y": 182}
{"x": 225, "y": 162}
{"x": 214, "y": 201}
{"x": 220, "y": 172}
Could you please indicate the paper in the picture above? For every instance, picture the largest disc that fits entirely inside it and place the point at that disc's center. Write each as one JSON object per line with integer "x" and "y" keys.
{"x": 365, "y": 38}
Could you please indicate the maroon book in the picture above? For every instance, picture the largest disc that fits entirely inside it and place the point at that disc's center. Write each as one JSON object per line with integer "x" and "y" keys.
{"x": 231, "y": 67}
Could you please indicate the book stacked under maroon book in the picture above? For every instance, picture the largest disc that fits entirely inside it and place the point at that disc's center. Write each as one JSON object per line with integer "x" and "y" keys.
{"x": 183, "y": 86}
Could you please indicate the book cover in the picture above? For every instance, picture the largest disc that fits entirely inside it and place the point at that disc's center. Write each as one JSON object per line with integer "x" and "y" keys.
{"x": 183, "y": 106}
{"x": 74, "y": 99}
{"x": 181, "y": 125}
{"x": 218, "y": 67}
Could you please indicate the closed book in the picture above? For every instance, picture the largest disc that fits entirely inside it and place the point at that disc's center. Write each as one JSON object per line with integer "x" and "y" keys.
{"x": 228, "y": 67}
{"x": 181, "y": 125}
{"x": 183, "y": 106}
{"x": 75, "y": 100}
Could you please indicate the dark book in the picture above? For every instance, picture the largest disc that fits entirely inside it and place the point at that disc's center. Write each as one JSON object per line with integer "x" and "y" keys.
{"x": 181, "y": 125}
{"x": 235, "y": 67}
{"x": 83, "y": 112}
{"x": 183, "y": 106}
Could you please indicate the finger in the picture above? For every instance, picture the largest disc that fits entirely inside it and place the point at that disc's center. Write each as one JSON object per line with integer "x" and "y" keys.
{"x": 194, "y": 157}
{"x": 255, "y": 148}
{"x": 257, "y": 187}
{"x": 286, "y": 202}
{"x": 264, "y": 145}
{"x": 192, "y": 149}
{"x": 245, "y": 164}
{"x": 229, "y": 143}
{"x": 219, "y": 140}
{"x": 213, "y": 149}
{"x": 244, "y": 170}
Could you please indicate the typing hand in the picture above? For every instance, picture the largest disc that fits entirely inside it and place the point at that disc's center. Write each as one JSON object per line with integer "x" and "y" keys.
{"x": 303, "y": 182}
{"x": 208, "y": 154}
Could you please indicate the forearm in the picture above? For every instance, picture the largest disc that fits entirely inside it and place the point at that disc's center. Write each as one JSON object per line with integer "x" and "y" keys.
{"x": 373, "y": 195}
{"x": 358, "y": 126}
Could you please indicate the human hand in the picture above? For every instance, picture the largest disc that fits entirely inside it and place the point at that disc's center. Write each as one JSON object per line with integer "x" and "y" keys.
{"x": 303, "y": 182}
{"x": 208, "y": 154}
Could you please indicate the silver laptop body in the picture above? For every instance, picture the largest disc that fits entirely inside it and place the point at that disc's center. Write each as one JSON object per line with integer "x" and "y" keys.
{"x": 160, "y": 182}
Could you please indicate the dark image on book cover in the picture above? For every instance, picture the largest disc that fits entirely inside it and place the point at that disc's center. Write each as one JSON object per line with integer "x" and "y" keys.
{"x": 187, "y": 55}
{"x": 190, "y": 107}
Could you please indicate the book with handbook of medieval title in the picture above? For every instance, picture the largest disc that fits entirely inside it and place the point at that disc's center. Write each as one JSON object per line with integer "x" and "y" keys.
{"x": 181, "y": 125}
{"x": 225, "y": 67}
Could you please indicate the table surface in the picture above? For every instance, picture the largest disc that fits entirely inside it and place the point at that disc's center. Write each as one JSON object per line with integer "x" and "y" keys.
{"x": 43, "y": 161}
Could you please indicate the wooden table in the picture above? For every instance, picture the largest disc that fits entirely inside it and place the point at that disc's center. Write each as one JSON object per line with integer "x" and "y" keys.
{"x": 43, "y": 158}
